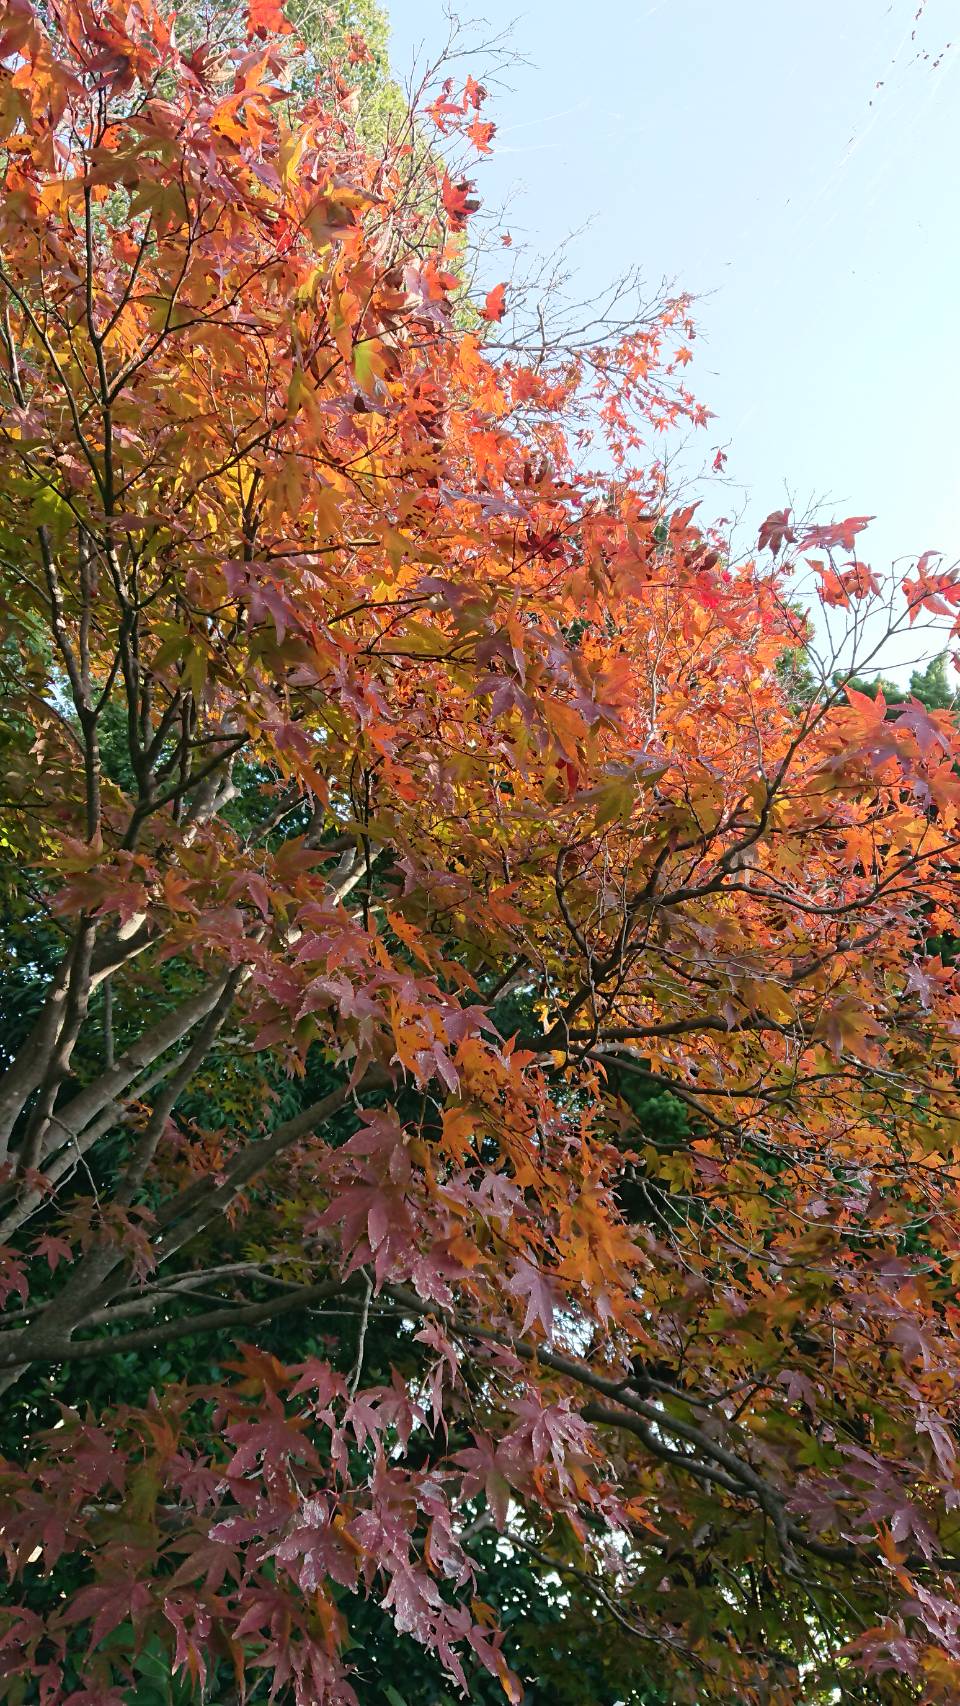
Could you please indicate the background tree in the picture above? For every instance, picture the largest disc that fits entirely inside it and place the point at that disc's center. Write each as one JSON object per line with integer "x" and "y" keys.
{"x": 930, "y": 686}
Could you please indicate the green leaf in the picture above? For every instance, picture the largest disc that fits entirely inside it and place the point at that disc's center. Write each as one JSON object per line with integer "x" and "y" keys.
{"x": 363, "y": 365}
{"x": 614, "y": 800}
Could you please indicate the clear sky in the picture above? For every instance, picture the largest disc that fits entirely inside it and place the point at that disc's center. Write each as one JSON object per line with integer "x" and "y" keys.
{"x": 744, "y": 151}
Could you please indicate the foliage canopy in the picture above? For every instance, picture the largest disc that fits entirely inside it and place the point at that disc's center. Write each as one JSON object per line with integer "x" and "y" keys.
{"x": 474, "y": 1063}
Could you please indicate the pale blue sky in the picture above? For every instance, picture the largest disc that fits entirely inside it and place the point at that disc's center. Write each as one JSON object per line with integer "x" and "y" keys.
{"x": 734, "y": 148}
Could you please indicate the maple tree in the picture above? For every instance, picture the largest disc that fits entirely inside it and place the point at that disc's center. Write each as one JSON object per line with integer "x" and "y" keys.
{"x": 479, "y": 1050}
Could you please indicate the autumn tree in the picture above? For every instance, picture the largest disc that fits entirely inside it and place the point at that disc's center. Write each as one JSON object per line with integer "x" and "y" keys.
{"x": 474, "y": 1046}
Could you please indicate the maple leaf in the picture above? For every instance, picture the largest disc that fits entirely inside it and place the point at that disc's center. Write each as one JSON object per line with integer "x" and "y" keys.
{"x": 481, "y": 133}
{"x": 776, "y": 531}
{"x": 53, "y": 1248}
{"x": 494, "y": 304}
{"x": 265, "y": 18}
{"x": 924, "y": 727}
{"x": 459, "y": 202}
{"x": 832, "y": 589}
{"x": 536, "y": 1292}
{"x": 188, "y": 1653}
{"x": 272, "y": 1441}
{"x": 939, "y": 594}
{"x": 108, "y": 1604}
{"x": 13, "y": 1278}
{"x": 838, "y": 587}
{"x": 835, "y": 535}
{"x": 485, "y": 1475}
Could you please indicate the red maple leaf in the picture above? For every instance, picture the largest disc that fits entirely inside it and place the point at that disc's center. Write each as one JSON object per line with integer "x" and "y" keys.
{"x": 55, "y": 1249}
{"x": 481, "y": 133}
{"x": 474, "y": 94}
{"x": 837, "y": 535}
{"x": 458, "y": 201}
{"x": 265, "y": 18}
{"x": 494, "y": 306}
{"x": 776, "y": 531}
{"x": 536, "y": 1292}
